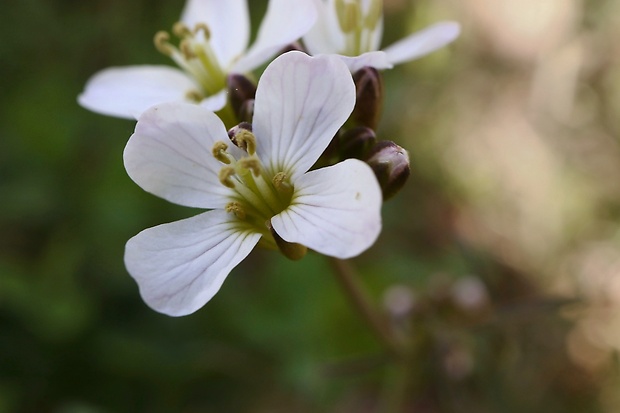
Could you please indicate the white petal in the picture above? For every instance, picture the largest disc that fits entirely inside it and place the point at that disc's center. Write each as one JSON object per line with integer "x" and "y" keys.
{"x": 126, "y": 92}
{"x": 170, "y": 155}
{"x": 180, "y": 266}
{"x": 326, "y": 35}
{"x": 336, "y": 210}
{"x": 228, "y": 22}
{"x": 215, "y": 102}
{"x": 379, "y": 60}
{"x": 301, "y": 102}
{"x": 423, "y": 42}
{"x": 284, "y": 23}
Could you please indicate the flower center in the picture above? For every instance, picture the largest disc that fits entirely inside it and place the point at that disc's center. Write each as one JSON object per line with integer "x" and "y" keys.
{"x": 359, "y": 23}
{"x": 195, "y": 55}
{"x": 259, "y": 194}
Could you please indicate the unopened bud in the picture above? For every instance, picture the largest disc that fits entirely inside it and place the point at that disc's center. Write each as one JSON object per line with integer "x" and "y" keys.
{"x": 356, "y": 142}
{"x": 369, "y": 91}
{"x": 470, "y": 293}
{"x": 390, "y": 164}
{"x": 240, "y": 90}
{"x": 232, "y": 132}
{"x": 399, "y": 300}
{"x": 291, "y": 250}
{"x": 246, "y": 113}
{"x": 242, "y": 136}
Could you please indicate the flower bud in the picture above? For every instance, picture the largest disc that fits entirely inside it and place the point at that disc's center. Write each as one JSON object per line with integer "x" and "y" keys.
{"x": 240, "y": 90}
{"x": 241, "y": 136}
{"x": 390, "y": 163}
{"x": 247, "y": 111}
{"x": 399, "y": 301}
{"x": 234, "y": 131}
{"x": 369, "y": 103}
{"x": 470, "y": 294}
{"x": 356, "y": 142}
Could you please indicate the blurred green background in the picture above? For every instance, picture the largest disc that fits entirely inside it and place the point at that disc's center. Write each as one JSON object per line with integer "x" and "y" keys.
{"x": 499, "y": 261}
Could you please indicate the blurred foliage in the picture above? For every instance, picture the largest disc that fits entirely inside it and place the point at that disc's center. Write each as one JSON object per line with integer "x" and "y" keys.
{"x": 75, "y": 336}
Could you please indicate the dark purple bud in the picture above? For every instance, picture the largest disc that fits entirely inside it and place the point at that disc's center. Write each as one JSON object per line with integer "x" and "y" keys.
{"x": 390, "y": 163}
{"x": 240, "y": 90}
{"x": 247, "y": 111}
{"x": 240, "y": 134}
{"x": 234, "y": 131}
{"x": 369, "y": 103}
{"x": 357, "y": 142}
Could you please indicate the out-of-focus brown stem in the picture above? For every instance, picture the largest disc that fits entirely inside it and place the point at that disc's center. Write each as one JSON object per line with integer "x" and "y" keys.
{"x": 349, "y": 279}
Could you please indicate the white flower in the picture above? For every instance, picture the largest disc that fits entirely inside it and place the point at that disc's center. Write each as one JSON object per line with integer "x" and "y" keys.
{"x": 353, "y": 29}
{"x": 182, "y": 153}
{"x": 214, "y": 36}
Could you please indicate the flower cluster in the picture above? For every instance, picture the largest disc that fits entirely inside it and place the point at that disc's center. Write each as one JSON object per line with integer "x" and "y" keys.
{"x": 271, "y": 162}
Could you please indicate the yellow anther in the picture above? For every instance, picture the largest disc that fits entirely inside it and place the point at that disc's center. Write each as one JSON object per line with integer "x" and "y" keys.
{"x": 204, "y": 28}
{"x": 219, "y": 152}
{"x": 245, "y": 140}
{"x": 225, "y": 175}
{"x": 180, "y": 30}
{"x": 162, "y": 43}
{"x": 281, "y": 183}
{"x": 251, "y": 164}
{"x": 187, "y": 49}
{"x": 194, "y": 96}
{"x": 237, "y": 209}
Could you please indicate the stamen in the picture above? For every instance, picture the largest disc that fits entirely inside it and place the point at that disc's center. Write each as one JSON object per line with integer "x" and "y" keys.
{"x": 180, "y": 30}
{"x": 245, "y": 140}
{"x": 162, "y": 44}
{"x": 186, "y": 49}
{"x": 225, "y": 176}
{"x": 349, "y": 15}
{"x": 232, "y": 132}
{"x": 219, "y": 152}
{"x": 374, "y": 14}
{"x": 282, "y": 185}
{"x": 251, "y": 164}
{"x": 204, "y": 28}
{"x": 194, "y": 54}
{"x": 237, "y": 209}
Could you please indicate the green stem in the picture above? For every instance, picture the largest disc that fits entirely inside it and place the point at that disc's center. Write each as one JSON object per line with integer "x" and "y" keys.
{"x": 349, "y": 280}
{"x": 227, "y": 115}
{"x": 396, "y": 387}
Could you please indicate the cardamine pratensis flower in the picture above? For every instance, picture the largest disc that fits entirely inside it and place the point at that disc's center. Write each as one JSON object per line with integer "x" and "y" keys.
{"x": 354, "y": 28}
{"x": 258, "y": 186}
{"x": 213, "y": 43}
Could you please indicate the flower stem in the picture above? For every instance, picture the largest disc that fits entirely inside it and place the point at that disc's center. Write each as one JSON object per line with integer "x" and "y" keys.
{"x": 349, "y": 280}
{"x": 227, "y": 115}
